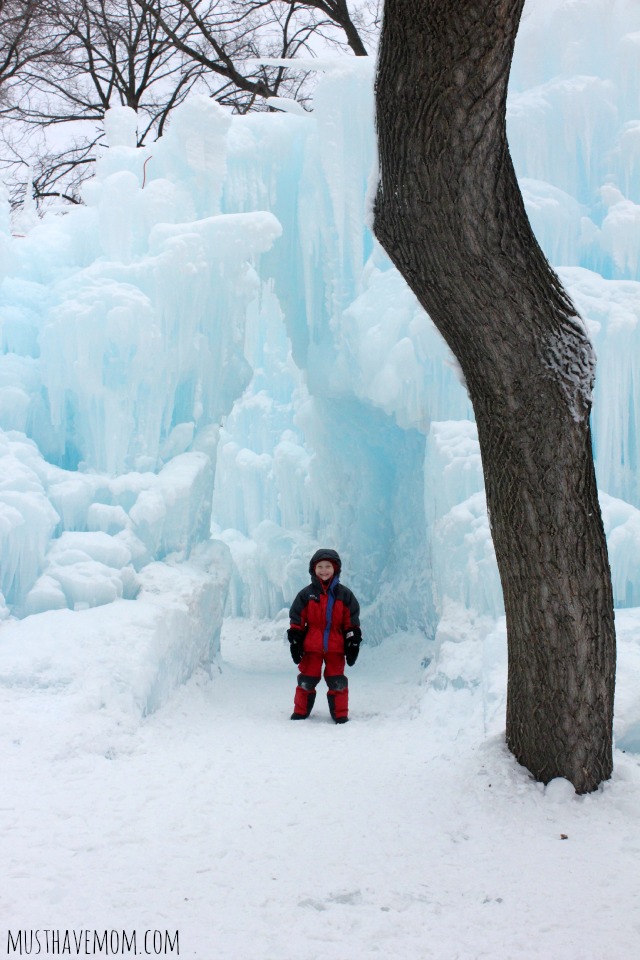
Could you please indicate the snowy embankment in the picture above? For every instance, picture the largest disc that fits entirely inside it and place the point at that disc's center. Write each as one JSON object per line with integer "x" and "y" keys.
{"x": 410, "y": 832}
{"x": 94, "y": 671}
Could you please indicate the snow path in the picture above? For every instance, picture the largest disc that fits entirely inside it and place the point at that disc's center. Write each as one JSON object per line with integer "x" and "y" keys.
{"x": 403, "y": 834}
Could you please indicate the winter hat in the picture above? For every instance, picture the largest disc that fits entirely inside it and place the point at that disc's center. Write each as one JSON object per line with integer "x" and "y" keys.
{"x": 325, "y": 554}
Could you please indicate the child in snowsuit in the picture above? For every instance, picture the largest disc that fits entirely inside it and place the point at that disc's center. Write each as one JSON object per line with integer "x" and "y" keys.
{"x": 325, "y": 628}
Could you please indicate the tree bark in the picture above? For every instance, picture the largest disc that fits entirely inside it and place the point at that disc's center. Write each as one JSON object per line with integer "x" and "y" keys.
{"x": 451, "y": 217}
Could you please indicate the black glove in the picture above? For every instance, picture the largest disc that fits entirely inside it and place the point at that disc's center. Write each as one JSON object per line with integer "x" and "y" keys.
{"x": 352, "y": 639}
{"x": 296, "y": 643}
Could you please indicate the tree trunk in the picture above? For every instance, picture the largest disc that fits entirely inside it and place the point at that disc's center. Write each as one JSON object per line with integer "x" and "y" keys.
{"x": 450, "y": 215}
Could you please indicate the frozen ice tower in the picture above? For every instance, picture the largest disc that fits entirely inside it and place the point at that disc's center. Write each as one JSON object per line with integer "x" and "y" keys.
{"x": 211, "y": 367}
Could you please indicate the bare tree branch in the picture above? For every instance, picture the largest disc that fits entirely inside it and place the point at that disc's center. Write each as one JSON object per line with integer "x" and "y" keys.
{"x": 109, "y": 52}
{"x": 66, "y": 62}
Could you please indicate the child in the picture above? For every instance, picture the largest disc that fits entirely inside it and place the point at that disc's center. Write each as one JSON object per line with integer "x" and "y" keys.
{"x": 325, "y": 628}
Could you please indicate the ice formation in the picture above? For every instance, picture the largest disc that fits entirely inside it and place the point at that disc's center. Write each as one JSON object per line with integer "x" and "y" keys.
{"x": 215, "y": 346}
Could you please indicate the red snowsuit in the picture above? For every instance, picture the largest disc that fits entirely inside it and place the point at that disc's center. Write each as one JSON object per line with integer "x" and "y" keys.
{"x": 323, "y": 612}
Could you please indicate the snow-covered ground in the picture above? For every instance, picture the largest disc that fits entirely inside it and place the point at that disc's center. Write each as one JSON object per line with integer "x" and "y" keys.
{"x": 408, "y": 833}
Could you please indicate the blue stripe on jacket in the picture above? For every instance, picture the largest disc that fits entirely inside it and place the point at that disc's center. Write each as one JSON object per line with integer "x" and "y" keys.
{"x": 331, "y": 599}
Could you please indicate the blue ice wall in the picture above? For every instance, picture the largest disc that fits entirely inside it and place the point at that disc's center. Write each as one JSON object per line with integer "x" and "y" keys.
{"x": 122, "y": 327}
{"x": 215, "y": 341}
{"x": 357, "y": 334}
{"x": 574, "y": 131}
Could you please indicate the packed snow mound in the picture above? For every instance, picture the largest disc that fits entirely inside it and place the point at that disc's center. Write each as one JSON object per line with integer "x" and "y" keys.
{"x": 76, "y": 540}
{"x": 111, "y": 670}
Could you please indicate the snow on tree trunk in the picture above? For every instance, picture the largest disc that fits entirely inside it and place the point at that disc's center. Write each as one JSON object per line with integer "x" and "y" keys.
{"x": 451, "y": 217}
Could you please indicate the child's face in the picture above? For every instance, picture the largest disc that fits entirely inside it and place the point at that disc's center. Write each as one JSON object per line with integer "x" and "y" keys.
{"x": 324, "y": 570}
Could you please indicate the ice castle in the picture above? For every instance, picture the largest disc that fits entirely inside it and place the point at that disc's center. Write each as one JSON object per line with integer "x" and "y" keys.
{"x": 211, "y": 367}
